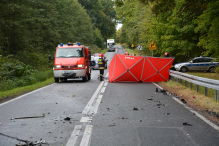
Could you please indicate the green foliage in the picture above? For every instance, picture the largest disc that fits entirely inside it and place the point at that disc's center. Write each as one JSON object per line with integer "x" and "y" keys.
{"x": 30, "y": 79}
{"x": 184, "y": 28}
{"x": 102, "y": 14}
{"x": 217, "y": 70}
{"x": 98, "y": 38}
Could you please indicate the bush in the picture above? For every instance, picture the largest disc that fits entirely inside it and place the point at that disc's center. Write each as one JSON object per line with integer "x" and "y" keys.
{"x": 217, "y": 70}
{"x": 15, "y": 82}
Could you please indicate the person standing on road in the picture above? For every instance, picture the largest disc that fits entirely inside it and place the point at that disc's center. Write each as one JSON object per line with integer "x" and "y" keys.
{"x": 167, "y": 54}
{"x": 101, "y": 63}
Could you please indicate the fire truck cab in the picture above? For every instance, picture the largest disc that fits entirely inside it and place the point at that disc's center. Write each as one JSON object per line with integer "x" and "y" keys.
{"x": 72, "y": 61}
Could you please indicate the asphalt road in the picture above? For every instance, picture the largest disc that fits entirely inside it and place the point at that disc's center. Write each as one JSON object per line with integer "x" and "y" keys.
{"x": 104, "y": 114}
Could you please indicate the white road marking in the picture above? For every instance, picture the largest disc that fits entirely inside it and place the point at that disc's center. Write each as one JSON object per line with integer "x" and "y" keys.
{"x": 92, "y": 100}
{"x": 197, "y": 114}
{"x": 24, "y": 95}
{"x": 191, "y": 110}
{"x": 74, "y": 135}
{"x": 107, "y": 75}
{"x": 86, "y": 119}
{"x": 103, "y": 90}
{"x": 105, "y": 84}
{"x": 97, "y": 103}
{"x": 86, "y": 138}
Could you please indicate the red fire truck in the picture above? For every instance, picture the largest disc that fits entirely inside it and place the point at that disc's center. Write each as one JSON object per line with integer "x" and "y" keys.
{"x": 71, "y": 61}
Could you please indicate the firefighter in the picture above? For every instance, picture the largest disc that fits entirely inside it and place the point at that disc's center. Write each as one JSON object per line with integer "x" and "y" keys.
{"x": 166, "y": 54}
{"x": 101, "y": 63}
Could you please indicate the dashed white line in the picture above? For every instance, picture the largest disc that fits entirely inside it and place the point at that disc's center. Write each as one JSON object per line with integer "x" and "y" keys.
{"x": 74, "y": 136}
{"x": 86, "y": 119}
{"x": 89, "y": 106}
{"x": 103, "y": 90}
{"x": 86, "y": 137}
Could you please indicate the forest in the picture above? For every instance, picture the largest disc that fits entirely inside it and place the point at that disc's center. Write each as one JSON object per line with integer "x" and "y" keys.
{"x": 30, "y": 30}
{"x": 183, "y": 28}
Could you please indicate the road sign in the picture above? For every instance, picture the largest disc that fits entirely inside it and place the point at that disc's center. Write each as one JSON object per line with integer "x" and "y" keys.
{"x": 132, "y": 45}
{"x": 140, "y": 47}
{"x": 152, "y": 46}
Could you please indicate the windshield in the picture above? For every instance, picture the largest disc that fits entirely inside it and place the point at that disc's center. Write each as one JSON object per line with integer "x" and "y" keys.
{"x": 190, "y": 59}
{"x": 96, "y": 58}
{"x": 69, "y": 52}
{"x": 110, "y": 44}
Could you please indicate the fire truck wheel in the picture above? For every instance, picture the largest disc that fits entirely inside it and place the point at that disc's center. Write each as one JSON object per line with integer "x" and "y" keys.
{"x": 85, "y": 78}
{"x": 88, "y": 76}
{"x": 56, "y": 80}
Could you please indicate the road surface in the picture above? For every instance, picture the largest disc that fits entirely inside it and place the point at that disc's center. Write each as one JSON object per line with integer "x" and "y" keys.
{"x": 104, "y": 114}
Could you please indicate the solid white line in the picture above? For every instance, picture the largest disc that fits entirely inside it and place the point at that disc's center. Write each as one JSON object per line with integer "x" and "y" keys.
{"x": 197, "y": 114}
{"x": 105, "y": 84}
{"x": 107, "y": 74}
{"x": 97, "y": 103}
{"x": 86, "y": 119}
{"x": 191, "y": 110}
{"x": 74, "y": 135}
{"x": 89, "y": 104}
{"x": 103, "y": 90}
{"x": 24, "y": 95}
{"x": 86, "y": 138}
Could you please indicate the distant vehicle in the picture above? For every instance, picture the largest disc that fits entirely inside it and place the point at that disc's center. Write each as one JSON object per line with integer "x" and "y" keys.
{"x": 197, "y": 64}
{"x": 110, "y": 45}
{"x": 71, "y": 61}
{"x": 95, "y": 58}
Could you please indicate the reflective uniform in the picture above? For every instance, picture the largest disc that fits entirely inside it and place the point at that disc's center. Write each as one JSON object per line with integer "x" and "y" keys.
{"x": 101, "y": 63}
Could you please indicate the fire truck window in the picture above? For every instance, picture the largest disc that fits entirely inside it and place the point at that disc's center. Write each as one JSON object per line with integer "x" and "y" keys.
{"x": 69, "y": 52}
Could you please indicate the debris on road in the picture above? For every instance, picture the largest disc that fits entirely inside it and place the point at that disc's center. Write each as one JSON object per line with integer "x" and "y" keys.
{"x": 43, "y": 115}
{"x": 111, "y": 125}
{"x": 27, "y": 142}
{"x": 73, "y": 95}
{"x": 122, "y": 118}
{"x": 186, "y": 124}
{"x": 67, "y": 119}
{"x": 150, "y": 99}
{"x": 183, "y": 100}
{"x": 135, "y": 108}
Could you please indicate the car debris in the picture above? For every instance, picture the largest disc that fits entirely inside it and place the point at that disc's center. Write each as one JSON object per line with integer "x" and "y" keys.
{"x": 186, "y": 124}
{"x": 43, "y": 115}
{"x": 135, "y": 108}
{"x": 122, "y": 118}
{"x": 67, "y": 119}
{"x": 183, "y": 100}
{"x": 27, "y": 142}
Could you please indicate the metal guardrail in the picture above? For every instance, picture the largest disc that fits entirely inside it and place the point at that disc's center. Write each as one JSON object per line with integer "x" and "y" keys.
{"x": 199, "y": 81}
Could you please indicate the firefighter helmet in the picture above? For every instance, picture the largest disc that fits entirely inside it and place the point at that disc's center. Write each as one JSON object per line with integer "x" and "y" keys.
{"x": 101, "y": 55}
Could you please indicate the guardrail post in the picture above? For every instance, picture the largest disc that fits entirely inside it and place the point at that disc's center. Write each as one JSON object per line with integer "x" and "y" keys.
{"x": 216, "y": 95}
{"x": 191, "y": 85}
{"x": 206, "y": 91}
{"x": 180, "y": 81}
{"x": 186, "y": 83}
{"x": 197, "y": 88}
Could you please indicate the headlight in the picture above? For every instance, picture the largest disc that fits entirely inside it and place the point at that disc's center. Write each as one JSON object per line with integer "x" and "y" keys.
{"x": 80, "y": 66}
{"x": 57, "y": 66}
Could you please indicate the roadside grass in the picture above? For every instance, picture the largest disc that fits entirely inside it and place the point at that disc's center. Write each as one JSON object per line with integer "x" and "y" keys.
{"x": 21, "y": 90}
{"x": 214, "y": 76}
{"x": 195, "y": 99}
{"x": 15, "y": 82}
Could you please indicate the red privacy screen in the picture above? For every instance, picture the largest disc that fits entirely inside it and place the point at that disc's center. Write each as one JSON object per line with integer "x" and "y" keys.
{"x": 125, "y": 68}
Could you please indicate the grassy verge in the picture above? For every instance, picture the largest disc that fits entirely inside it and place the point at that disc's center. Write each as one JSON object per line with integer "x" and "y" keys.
{"x": 197, "y": 100}
{"x": 21, "y": 90}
